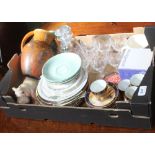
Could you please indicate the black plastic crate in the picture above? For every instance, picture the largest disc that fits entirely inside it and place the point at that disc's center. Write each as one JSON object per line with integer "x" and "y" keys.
{"x": 134, "y": 114}
{"x": 139, "y": 113}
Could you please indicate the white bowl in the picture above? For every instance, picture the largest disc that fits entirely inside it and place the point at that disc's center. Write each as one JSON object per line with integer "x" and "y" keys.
{"x": 137, "y": 41}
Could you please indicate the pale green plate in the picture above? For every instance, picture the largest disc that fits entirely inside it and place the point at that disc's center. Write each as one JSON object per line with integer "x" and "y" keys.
{"x": 62, "y": 67}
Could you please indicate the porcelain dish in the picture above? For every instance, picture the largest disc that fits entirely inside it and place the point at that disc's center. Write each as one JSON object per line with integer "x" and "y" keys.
{"x": 73, "y": 101}
{"x": 57, "y": 95}
{"x": 62, "y": 87}
{"x": 62, "y": 67}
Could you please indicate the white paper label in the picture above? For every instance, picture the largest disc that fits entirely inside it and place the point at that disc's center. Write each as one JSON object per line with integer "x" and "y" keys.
{"x": 142, "y": 90}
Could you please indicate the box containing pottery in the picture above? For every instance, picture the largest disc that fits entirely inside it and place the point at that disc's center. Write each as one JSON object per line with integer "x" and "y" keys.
{"x": 77, "y": 95}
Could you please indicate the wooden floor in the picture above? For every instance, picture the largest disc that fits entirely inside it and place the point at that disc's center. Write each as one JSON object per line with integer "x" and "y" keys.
{"x": 14, "y": 125}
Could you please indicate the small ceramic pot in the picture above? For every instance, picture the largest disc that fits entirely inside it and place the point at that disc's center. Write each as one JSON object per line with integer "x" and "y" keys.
{"x": 136, "y": 79}
{"x": 103, "y": 99}
{"x": 98, "y": 86}
{"x": 123, "y": 85}
{"x": 130, "y": 92}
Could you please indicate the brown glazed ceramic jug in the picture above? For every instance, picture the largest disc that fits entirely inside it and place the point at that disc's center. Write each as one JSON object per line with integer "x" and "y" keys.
{"x": 36, "y": 52}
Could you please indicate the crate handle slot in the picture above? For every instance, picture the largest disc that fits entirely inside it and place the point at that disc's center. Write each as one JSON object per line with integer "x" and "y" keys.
{"x": 23, "y": 109}
{"x": 113, "y": 115}
{"x": 4, "y": 107}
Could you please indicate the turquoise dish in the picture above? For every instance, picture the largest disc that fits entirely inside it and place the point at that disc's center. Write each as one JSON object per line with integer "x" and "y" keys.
{"x": 62, "y": 67}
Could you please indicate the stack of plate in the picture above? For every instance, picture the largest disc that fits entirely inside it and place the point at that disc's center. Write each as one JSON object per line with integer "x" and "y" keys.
{"x": 63, "y": 80}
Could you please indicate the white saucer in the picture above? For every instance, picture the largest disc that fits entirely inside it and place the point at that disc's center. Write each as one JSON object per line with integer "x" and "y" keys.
{"x": 62, "y": 67}
{"x": 53, "y": 95}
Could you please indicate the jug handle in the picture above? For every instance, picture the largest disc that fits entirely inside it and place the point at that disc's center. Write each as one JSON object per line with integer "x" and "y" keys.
{"x": 28, "y": 35}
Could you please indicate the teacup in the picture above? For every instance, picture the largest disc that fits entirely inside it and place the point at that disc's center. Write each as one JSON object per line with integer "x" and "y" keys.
{"x": 101, "y": 94}
{"x": 98, "y": 86}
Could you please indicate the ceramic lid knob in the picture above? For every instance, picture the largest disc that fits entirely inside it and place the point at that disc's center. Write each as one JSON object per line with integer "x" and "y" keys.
{"x": 136, "y": 79}
{"x": 124, "y": 84}
{"x": 98, "y": 86}
{"x": 130, "y": 91}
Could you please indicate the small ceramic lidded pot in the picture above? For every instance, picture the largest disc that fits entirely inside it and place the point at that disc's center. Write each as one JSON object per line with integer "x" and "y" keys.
{"x": 123, "y": 85}
{"x": 101, "y": 94}
{"x": 129, "y": 92}
{"x": 129, "y": 87}
{"x": 136, "y": 79}
{"x": 36, "y": 52}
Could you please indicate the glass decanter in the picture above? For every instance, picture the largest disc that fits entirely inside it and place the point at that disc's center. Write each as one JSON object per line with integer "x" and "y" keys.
{"x": 68, "y": 43}
{"x": 64, "y": 37}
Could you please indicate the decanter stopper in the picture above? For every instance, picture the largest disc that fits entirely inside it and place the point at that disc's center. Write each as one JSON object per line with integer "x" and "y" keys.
{"x": 64, "y": 36}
